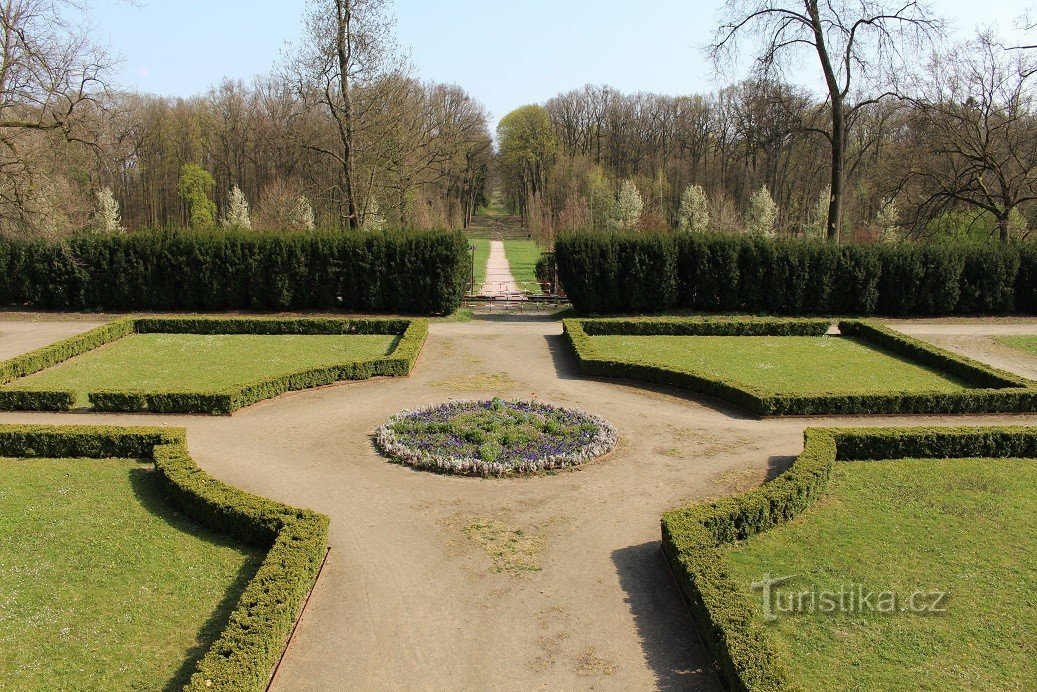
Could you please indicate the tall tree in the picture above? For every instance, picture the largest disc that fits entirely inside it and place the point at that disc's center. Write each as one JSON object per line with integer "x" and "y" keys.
{"x": 858, "y": 44}
{"x": 52, "y": 75}
{"x": 975, "y": 133}
{"x": 348, "y": 44}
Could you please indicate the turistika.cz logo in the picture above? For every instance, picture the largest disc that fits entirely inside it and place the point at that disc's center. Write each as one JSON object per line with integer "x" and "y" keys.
{"x": 848, "y": 599}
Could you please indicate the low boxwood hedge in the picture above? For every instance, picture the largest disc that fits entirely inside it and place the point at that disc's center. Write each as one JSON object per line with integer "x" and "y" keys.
{"x": 412, "y": 334}
{"x": 694, "y": 538}
{"x": 295, "y": 540}
{"x": 995, "y": 391}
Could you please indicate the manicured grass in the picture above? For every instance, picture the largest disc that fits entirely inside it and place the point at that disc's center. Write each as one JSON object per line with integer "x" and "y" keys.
{"x": 482, "y": 257}
{"x": 102, "y": 585}
{"x": 782, "y": 364}
{"x": 201, "y": 362}
{"x": 522, "y": 256}
{"x": 1023, "y": 343}
{"x": 959, "y": 526}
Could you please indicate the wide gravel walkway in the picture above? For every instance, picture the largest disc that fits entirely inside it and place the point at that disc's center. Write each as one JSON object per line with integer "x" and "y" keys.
{"x": 410, "y": 599}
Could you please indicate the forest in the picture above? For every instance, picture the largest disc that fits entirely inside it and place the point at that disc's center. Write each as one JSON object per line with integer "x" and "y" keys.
{"x": 343, "y": 134}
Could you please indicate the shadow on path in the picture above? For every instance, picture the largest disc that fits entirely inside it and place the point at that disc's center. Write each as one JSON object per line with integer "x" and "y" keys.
{"x": 671, "y": 644}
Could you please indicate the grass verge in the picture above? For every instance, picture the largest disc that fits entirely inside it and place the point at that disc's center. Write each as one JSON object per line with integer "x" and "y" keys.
{"x": 522, "y": 257}
{"x": 930, "y": 518}
{"x": 105, "y": 585}
{"x": 205, "y": 365}
{"x": 778, "y": 367}
{"x": 248, "y": 641}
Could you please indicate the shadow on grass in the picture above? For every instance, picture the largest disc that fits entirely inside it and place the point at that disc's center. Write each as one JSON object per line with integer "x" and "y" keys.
{"x": 149, "y": 493}
{"x": 670, "y": 643}
{"x": 568, "y": 368}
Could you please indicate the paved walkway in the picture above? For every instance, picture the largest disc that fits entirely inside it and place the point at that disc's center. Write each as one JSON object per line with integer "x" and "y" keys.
{"x": 410, "y": 601}
{"x": 499, "y": 280}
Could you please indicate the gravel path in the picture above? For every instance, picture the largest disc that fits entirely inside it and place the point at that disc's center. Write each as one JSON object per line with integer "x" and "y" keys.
{"x": 412, "y": 599}
{"x": 499, "y": 280}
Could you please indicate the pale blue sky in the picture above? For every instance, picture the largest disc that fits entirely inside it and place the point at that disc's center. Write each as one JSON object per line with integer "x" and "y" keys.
{"x": 504, "y": 53}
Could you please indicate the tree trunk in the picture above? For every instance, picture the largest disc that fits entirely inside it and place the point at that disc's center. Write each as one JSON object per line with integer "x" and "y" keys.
{"x": 343, "y": 47}
{"x": 1003, "y": 226}
{"x": 835, "y": 204}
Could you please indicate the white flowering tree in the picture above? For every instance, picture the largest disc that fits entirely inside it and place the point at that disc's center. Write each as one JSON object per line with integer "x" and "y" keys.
{"x": 762, "y": 215}
{"x": 887, "y": 222}
{"x": 237, "y": 211}
{"x": 628, "y": 207}
{"x": 107, "y": 218}
{"x": 694, "y": 211}
{"x": 301, "y": 216}
{"x": 817, "y": 221}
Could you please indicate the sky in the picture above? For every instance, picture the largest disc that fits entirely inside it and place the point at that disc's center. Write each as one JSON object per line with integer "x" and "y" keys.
{"x": 506, "y": 54}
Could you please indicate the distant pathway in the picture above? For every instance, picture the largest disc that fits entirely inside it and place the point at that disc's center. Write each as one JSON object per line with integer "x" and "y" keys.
{"x": 499, "y": 281}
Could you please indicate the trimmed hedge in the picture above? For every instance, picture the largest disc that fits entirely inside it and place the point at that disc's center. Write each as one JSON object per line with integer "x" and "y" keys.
{"x": 694, "y": 538}
{"x": 412, "y": 272}
{"x": 995, "y": 391}
{"x": 412, "y": 335}
{"x": 295, "y": 540}
{"x": 652, "y": 273}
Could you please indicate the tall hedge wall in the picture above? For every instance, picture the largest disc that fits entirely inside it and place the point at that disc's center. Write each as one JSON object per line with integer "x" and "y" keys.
{"x": 651, "y": 273}
{"x": 413, "y": 272}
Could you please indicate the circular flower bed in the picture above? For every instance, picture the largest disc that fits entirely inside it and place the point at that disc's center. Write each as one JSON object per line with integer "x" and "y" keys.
{"x": 494, "y": 437}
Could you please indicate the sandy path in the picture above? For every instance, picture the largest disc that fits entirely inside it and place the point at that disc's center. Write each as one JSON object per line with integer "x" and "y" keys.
{"x": 499, "y": 280}
{"x": 409, "y": 601}
{"x": 21, "y": 337}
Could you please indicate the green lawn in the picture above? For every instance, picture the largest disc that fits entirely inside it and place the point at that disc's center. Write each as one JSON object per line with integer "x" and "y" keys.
{"x": 522, "y": 256}
{"x": 1023, "y": 343}
{"x": 782, "y": 364}
{"x": 199, "y": 362}
{"x": 482, "y": 256}
{"x": 102, "y": 585}
{"x": 959, "y": 526}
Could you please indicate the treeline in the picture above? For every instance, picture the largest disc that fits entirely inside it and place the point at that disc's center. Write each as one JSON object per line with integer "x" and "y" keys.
{"x": 309, "y": 145}
{"x": 952, "y": 153}
{"x": 655, "y": 272}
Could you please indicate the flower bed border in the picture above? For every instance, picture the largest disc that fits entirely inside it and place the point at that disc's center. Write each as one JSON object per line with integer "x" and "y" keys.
{"x": 694, "y": 538}
{"x": 385, "y": 440}
{"x": 244, "y": 654}
{"x": 411, "y": 332}
{"x": 996, "y": 391}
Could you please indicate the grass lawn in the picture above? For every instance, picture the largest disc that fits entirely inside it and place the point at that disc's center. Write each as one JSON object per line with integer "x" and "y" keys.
{"x": 782, "y": 364}
{"x": 102, "y": 585}
{"x": 201, "y": 362}
{"x": 522, "y": 256}
{"x": 1023, "y": 343}
{"x": 959, "y": 526}
{"x": 482, "y": 257}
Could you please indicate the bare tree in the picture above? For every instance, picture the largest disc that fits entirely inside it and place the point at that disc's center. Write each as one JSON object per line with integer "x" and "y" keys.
{"x": 859, "y": 45}
{"x": 348, "y": 43}
{"x": 51, "y": 76}
{"x": 975, "y": 133}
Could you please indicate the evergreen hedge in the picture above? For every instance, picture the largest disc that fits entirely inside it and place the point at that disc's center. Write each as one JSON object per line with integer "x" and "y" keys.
{"x": 993, "y": 391}
{"x": 411, "y": 332}
{"x": 411, "y": 272}
{"x": 295, "y": 540}
{"x": 695, "y": 538}
{"x": 605, "y": 273}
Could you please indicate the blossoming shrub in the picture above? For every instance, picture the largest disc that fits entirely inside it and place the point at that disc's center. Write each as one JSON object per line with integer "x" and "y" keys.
{"x": 494, "y": 437}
